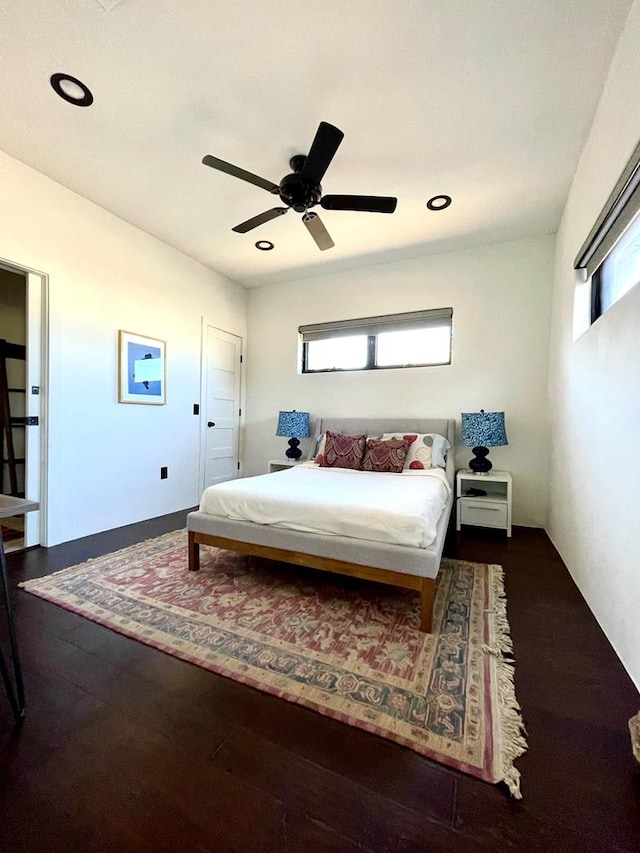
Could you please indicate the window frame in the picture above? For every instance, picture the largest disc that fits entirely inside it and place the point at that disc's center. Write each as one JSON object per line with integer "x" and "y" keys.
{"x": 618, "y": 215}
{"x": 392, "y": 320}
{"x": 601, "y": 299}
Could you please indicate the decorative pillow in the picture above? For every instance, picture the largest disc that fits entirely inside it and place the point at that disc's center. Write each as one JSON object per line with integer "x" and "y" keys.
{"x": 342, "y": 451}
{"x": 321, "y": 441}
{"x": 385, "y": 456}
{"x": 426, "y": 450}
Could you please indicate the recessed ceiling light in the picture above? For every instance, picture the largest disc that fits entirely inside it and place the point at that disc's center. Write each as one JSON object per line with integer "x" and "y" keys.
{"x": 264, "y": 245}
{"x": 439, "y": 202}
{"x": 71, "y": 89}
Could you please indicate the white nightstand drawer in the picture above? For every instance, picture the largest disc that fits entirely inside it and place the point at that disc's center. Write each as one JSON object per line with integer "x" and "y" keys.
{"x": 484, "y": 513}
{"x": 281, "y": 464}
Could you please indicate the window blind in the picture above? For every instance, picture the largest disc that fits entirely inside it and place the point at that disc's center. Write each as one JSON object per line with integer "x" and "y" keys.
{"x": 376, "y": 325}
{"x": 621, "y": 207}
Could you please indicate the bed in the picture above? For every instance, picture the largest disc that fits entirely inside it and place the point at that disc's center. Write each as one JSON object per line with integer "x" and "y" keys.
{"x": 413, "y": 566}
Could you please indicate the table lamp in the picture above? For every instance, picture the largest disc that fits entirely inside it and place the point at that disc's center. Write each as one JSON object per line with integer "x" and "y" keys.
{"x": 294, "y": 425}
{"x": 482, "y": 430}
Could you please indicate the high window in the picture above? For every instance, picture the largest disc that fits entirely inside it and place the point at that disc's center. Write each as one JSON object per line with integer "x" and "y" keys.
{"x": 610, "y": 256}
{"x": 618, "y": 273}
{"x": 413, "y": 339}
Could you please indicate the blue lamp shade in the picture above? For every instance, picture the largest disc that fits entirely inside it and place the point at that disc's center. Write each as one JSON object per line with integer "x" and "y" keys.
{"x": 482, "y": 430}
{"x": 295, "y": 425}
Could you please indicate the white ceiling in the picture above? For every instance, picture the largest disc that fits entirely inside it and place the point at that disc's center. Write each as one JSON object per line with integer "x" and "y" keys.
{"x": 489, "y": 101}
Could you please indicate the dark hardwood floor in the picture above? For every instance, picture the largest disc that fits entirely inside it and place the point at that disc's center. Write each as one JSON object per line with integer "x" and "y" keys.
{"x": 126, "y": 748}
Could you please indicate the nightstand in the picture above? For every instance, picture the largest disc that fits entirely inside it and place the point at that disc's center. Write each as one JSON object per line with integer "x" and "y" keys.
{"x": 493, "y": 509}
{"x": 282, "y": 464}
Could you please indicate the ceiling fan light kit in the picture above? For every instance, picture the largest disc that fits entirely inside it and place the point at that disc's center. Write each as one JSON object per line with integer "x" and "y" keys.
{"x": 264, "y": 245}
{"x": 302, "y": 190}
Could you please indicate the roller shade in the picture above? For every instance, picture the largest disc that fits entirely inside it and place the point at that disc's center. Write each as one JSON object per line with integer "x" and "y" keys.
{"x": 621, "y": 207}
{"x": 376, "y": 325}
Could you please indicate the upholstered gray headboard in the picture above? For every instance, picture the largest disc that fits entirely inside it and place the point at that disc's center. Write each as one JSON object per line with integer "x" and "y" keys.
{"x": 376, "y": 426}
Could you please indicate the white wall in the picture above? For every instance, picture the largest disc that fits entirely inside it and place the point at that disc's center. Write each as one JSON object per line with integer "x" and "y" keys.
{"x": 105, "y": 275}
{"x": 595, "y": 386}
{"x": 500, "y": 296}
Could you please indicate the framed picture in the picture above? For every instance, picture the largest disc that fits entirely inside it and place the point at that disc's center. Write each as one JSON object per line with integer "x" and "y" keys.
{"x": 141, "y": 369}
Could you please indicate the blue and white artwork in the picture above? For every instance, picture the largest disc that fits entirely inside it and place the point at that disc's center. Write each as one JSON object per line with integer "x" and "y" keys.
{"x": 141, "y": 369}
{"x": 144, "y": 369}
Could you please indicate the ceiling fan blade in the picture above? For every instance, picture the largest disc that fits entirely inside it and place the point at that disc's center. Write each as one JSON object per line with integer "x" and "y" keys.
{"x": 318, "y": 231}
{"x": 237, "y": 172}
{"x": 324, "y": 146}
{"x": 260, "y": 219}
{"x": 366, "y": 203}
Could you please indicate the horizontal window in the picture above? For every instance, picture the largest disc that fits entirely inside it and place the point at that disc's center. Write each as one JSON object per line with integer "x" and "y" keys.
{"x": 619, "y": 272}
{"x": 413, "y": 339}
{"x": 610, "y": 257}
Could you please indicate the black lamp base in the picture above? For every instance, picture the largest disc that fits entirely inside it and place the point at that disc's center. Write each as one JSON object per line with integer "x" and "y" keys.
{"x": 480, "y": 464}
{"x": 294, "y": 451}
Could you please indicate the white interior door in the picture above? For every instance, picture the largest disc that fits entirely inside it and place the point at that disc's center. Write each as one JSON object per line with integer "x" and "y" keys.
{"x": 221, "y": 410}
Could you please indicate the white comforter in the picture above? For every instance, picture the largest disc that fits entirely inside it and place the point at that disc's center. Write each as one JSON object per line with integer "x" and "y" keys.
{"x": 401, "y": 509}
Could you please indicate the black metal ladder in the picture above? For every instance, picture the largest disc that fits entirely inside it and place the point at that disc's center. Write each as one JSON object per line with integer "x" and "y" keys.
{"x": 7, "y": 421}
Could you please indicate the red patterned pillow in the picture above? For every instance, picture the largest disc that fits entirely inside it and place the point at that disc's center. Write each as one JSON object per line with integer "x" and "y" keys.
{"x": 385, "y": 456}
{"x": 342, "y": 451}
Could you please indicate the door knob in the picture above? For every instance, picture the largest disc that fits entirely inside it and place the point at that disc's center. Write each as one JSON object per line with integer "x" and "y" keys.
{"x": 210, "y": 424}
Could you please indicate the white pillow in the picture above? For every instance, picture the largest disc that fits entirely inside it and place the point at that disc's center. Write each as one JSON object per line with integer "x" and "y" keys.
{"x": 427, "y": 450}
{"x": 319, "y": 444}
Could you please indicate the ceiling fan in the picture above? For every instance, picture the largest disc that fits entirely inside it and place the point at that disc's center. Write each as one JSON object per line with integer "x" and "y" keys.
{"x": 301, "y": 189}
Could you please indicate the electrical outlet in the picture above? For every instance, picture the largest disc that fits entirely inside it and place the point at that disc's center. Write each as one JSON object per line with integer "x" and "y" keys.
{"x": 164, "y": 472}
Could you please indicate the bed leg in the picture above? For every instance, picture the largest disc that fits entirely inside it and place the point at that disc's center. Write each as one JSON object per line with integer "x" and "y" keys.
{"x": 428, "y": 594}
{"x": 194, "y": 553}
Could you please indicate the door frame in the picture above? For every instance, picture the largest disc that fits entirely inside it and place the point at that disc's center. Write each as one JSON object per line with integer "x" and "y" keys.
{"x": 38, "y": 355}
{"x": 204, "y": 326}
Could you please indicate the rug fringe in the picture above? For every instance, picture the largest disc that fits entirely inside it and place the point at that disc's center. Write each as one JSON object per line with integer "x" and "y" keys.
{"x": 512, "y": 730}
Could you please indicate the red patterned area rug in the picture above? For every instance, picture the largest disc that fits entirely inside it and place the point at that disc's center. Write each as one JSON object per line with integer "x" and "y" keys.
{"x": 344, "y": 647}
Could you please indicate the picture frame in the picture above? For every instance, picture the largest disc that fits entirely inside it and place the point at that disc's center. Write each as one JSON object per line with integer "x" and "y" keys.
{"x": 141, "y": 369}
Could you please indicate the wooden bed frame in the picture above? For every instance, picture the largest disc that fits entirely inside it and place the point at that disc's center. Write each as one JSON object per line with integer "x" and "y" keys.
{"x": 424, "y": 584}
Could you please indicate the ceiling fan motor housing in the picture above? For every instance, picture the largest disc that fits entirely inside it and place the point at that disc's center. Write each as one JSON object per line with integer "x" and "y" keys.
{"x": 295, "y": 191}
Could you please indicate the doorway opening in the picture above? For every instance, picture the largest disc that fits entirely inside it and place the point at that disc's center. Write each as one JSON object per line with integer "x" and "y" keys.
{"x": 22, "y": 329}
